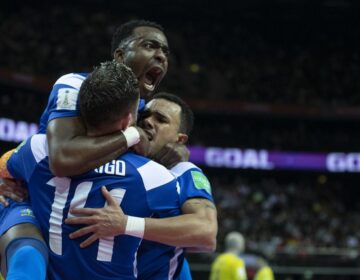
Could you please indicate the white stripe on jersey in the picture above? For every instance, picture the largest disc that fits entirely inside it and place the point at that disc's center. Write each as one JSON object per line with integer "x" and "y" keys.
{"x": 106, "y": 244}
{"x": 39, "y": 147}
{"x": 174, "y": 262}
{"x": 154, "y": 175}
{"x": 62, "y": 186}
{"x": 80, "y": 196}
{"x": 72, "y": 80}
{"x": 182, "y": 167}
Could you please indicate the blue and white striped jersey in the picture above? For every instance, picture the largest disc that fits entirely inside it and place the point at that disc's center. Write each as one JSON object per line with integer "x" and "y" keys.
{"x": 63, "y": 100}
{"x": 142, "y": 187}
{"x": 162, "y": 262}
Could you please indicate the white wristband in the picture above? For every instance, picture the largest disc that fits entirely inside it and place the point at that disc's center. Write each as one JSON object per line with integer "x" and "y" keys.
{"x": 135, "y": 226}
{"x": 132, "y": 136}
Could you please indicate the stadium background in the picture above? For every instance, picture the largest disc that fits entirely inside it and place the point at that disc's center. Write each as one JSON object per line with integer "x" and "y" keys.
{"x": 274, "y": 86}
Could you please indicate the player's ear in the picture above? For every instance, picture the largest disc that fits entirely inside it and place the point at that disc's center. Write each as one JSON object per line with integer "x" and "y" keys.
{"x": 119, "y": 55}
{"x": 182, "y": 138}
{"x": 126, "y": 121}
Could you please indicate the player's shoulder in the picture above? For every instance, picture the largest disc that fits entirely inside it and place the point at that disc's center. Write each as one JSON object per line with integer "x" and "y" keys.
{"x": 152, "y": 173}
{"x": 183, "y": 167}
{"x": 38, "y": 146}
{"x": 72, "y": 79}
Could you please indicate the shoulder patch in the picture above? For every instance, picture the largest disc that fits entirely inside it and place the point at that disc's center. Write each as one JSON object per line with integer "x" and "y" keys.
{"x": 67, "y": 99}
{"x": 200, "y": 181}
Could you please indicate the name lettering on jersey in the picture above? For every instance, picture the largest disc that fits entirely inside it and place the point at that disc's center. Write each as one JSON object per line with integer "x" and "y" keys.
{"x": 115, "y": 167}
{"x": 200, "y": 181}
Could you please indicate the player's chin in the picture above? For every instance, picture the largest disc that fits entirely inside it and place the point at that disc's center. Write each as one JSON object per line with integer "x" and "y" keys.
{"x": 145, "y": 92}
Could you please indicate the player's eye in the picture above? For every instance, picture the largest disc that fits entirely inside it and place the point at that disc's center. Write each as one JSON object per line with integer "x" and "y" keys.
{"x": 148, "y": 45}
{"x": 162, "y": 119}
{"x": 166, "y": 51}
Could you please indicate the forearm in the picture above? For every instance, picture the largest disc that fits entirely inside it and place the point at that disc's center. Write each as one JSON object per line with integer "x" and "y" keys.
{"x": 71, "y": 152}
{"x": 196, "y": 228}
{"x": 81, "y": 153}
{"x": 183, "y": 231}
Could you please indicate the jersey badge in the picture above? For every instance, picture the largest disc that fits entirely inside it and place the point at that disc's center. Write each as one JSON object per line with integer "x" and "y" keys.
{"x": 200, "y": 181}
{"x": 67, "y": 98}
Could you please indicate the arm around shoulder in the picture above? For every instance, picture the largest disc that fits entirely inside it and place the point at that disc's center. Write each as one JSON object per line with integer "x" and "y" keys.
{"x": 196, "y": 228}
{"x": 71, "y": 152}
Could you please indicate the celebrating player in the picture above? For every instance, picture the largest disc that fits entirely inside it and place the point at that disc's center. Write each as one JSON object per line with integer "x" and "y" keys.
{"x": 166, "y": 119}
{"x": 142, "y": 46}
{"x": 129, "y": 178}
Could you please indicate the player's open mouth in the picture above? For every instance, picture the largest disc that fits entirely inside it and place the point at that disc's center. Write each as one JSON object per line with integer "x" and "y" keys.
{"x": 152, "y": 78}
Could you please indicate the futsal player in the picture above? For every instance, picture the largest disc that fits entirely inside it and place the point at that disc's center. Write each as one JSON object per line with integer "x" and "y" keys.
{"x": 141, "y": 45}
{"x": 140, "y": 185}
{"x": 167, "y": 119}
{"x": 134, "y": 42}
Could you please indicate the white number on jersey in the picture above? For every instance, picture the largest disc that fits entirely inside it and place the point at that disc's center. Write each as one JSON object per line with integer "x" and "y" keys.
{"x": 62, "y": 186}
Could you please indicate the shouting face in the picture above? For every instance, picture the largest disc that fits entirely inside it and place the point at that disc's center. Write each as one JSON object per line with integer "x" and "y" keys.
{"x": 146, "y": 53}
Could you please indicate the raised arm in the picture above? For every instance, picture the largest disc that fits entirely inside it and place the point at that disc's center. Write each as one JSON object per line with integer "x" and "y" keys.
{"x": 71, "y": 152}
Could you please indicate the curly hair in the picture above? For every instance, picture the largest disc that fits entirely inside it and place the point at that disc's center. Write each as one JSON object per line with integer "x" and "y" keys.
{"x": 125, "y": 30}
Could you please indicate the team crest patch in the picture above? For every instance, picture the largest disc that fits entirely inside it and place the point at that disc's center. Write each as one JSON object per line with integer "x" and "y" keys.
{"x": 67, "y": 98}
{"x": 200, "y": 181}
{"x": 26, "y": 212}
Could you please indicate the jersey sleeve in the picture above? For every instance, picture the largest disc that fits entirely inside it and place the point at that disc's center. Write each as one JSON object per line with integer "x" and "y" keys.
{"x": 193, "y": 182}
{"x": 23, "y": 161}
{"x": 161, "y": 189}
{"x": 63, "y": 100}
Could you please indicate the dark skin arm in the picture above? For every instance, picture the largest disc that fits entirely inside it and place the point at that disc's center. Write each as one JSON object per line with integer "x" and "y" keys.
{"x": 71, "y": 152}
{"x": 171, "y": 154}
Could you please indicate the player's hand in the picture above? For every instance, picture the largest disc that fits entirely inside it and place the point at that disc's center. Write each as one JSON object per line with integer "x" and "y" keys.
{"x": 101, "y": 222}
{"x": 142, "y": 148}
{"x": 171, "y": 154}
{"x": 10, "y": 188}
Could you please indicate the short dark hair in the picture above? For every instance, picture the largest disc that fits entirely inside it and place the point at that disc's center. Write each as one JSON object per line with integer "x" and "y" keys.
{"x": 125, "y": 30}
{"x": 110, "y": 91}
{"x": 187, "y": 115}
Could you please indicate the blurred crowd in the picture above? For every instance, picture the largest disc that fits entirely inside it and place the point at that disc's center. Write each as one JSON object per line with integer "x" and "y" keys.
{"x": 253, "y": 61}
{"x": 295, "y": 216}
{"x": 276, "y": 133}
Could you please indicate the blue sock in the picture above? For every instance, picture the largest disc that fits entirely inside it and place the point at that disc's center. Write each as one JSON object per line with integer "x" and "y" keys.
{"x": 26, "y": 259}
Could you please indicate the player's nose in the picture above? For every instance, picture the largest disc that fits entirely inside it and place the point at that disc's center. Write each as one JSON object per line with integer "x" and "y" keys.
{"x": 148, "y": 123}
{"x": 161, "y": 56}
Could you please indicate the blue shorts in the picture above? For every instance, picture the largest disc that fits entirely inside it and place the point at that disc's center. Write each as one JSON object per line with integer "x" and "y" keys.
{"x": 16, "y": 213}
